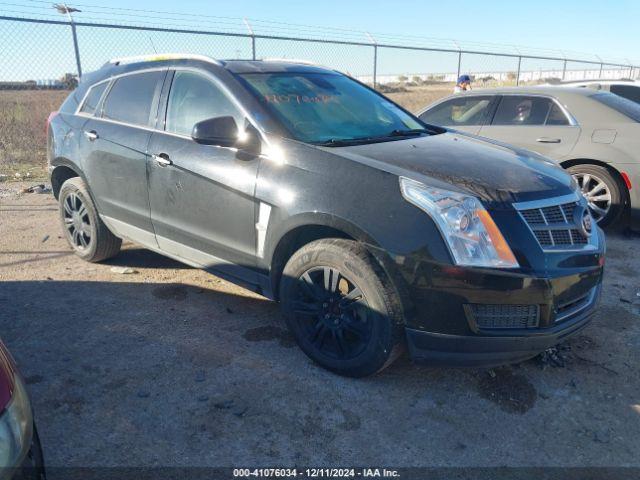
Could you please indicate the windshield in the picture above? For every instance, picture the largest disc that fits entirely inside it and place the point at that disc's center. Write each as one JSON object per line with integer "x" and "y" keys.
{"x": 619, "y": 104}
{"x": 331, "y": 109}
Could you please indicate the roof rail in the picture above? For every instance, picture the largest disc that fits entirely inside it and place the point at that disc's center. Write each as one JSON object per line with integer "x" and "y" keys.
{"x": 289, "y": 60}
{"x": 158, "y": 57}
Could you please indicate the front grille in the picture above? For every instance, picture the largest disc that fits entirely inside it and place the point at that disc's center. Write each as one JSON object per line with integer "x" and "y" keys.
{"x": 561, "y": 237}
{"x": 554, "y": 226}
{"x": 578, "y": 238}
{"x": 489, "y": 316}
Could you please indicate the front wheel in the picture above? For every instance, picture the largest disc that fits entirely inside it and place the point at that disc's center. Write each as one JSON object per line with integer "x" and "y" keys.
{"x": 341, "y": 307}
{"x": 602, "y": 191}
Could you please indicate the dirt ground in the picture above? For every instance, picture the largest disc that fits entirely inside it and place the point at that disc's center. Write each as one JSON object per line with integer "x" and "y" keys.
{"x": 172, "y": 366}
{"x": 416, "y": 99}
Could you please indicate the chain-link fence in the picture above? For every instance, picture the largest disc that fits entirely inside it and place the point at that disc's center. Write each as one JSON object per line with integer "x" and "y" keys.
{"x": 43, "y": 59}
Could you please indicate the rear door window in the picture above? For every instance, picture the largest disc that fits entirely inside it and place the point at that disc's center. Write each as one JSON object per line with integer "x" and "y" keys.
{"x": 462, "y": 111}
{"x": 131, "y": 98}
{"x": 93, "y": 98}
{"x": 528, "y": 110}
{"x": 556, "y": 116}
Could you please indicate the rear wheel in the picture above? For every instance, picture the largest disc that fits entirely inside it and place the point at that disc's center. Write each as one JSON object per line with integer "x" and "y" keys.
{"x": 602, "y": 191}
{"x": 86, "y": 233}
{"x": 341, "y": 308}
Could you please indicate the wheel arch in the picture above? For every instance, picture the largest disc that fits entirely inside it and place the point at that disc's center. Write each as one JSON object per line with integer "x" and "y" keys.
{"x": 62, "y": 170}
{"x": 611, "y": 168}
{"x": 305, "y": 229}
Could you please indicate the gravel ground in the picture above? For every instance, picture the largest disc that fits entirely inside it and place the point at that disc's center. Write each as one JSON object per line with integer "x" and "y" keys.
{"x": 170, "y": 366}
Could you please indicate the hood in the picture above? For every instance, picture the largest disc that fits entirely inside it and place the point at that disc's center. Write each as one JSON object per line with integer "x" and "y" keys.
{"x": 493, "y": 171}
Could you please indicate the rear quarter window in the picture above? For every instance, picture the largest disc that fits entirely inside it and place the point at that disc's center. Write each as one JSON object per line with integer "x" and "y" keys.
{"x": 630, "y": 92}
{"x": 619, "y": 104}
{"x": 93, "y": 97}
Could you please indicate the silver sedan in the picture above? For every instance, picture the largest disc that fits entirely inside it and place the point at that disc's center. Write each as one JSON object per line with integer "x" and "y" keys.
{"x": 593, "y": 134}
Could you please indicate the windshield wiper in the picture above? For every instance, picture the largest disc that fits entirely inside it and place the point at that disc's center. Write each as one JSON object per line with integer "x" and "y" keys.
{"x": 341, "y": 142}
{"x": 409, "y": 132}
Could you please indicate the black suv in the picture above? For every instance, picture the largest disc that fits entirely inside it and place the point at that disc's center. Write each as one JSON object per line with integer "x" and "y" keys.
{"x": 371, "y": 228}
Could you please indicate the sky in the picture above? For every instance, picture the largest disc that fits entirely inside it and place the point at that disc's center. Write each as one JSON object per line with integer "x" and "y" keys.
{"x": 582, "y": 29}
{"x": 592, "y": 26}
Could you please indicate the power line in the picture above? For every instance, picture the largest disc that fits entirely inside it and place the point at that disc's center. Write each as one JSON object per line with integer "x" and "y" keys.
{"x": 271, "y": 27}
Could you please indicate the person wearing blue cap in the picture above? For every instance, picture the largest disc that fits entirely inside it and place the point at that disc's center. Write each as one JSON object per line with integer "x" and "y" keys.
{"x": 464, "y": 84}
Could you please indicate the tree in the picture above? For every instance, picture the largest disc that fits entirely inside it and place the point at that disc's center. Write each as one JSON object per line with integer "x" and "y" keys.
{"x": 69, "y": 81}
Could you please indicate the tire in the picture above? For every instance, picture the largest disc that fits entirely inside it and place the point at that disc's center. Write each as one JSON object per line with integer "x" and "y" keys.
{"x": 353, "y": 328}
{"x": 85, "y": 232}
{"x": 602, "y": 185}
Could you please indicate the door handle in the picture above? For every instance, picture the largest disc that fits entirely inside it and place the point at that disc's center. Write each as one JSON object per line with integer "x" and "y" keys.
{"x": 162, "y": 159}
{"x": 548, "y": 140}
{"x": 91, "y": 135}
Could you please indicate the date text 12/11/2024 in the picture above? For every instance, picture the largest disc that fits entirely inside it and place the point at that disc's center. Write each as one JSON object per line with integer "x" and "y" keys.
{"x": 315, "y": 473}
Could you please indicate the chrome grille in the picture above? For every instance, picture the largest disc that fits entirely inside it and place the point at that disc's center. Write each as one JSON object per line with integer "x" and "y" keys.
{"x": 578, "y": 238}
{"x": 554, "y": 226}
{"x": 554, "y": 214}
{"x": 492, "y": 316}
{"x": 561, "y": 237}
{"x": 533, "y": 216}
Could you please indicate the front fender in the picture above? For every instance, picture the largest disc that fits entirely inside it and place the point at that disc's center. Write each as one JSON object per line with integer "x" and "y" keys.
{"x": 282, "y": 227}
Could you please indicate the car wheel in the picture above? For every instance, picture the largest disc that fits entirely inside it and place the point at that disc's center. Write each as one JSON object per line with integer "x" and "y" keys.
{"x": 86, "y": 233}
{"x": 601, "y": 190}
{"x": 341, "y": 307}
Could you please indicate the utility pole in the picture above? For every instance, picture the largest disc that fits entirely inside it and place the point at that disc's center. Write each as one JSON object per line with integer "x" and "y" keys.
{"x": 64, "y": 9}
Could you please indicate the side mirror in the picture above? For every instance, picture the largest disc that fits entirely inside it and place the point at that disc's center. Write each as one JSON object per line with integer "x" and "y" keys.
{"x": 220, "y": 131}
{"x": 249, "y": 143}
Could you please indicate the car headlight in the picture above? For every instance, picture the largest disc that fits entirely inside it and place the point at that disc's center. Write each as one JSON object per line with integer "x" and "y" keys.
{"x": 468, "y": 230}
{"x": 16, "y": 427}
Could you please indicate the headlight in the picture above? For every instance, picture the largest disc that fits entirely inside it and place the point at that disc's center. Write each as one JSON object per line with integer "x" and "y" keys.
{"x": 468, "y": 230}
{"x": 16, "y": 427}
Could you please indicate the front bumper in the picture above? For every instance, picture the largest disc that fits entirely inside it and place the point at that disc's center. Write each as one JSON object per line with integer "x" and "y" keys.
{"x": 461, "y": 316}
{"x": 478, "y": 350}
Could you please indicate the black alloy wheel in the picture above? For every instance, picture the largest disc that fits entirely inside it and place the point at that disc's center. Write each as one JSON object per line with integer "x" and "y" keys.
{"x": 333, "y": 312}
{"x": 341, "y": 307}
